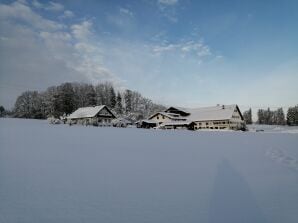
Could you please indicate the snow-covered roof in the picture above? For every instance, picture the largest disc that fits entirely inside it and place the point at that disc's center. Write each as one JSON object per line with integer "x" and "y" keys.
{"x": 219, "y": 112}
{"x": 176, "y": 123}
{"x": 148, "y": 121}
{"x": 86, "y": 112}
{"x": 169, "y": 115}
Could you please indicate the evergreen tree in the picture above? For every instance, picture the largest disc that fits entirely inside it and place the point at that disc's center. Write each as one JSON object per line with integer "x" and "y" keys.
{"x": 2, "y": 111}
{"x": 128, "y": 101}
{"x": 99, "y": 91}
{"x": 292, "y": 115}
{"x": 112, "y": 97}
{"x": 279, "y": 117}
{"x": 261, "y": 118}
{"x": 64, "y": 102}
{"x": 247, "y": 115}
{"x": 90, "y": 96}
{"x": 118, "y": 106}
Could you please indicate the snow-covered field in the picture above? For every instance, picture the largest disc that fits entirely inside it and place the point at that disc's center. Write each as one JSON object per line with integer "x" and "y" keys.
{"x": 58, "y": 173}
{"x": 273, "y": 128}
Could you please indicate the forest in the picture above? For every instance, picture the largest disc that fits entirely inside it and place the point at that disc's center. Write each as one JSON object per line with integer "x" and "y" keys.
{"x": 61, "y": 100}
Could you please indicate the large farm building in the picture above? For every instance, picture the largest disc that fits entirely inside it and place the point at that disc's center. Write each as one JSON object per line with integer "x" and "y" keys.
{"x": 216, "y": 117}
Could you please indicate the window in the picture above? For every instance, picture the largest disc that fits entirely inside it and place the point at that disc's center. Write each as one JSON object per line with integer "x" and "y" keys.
{"x": 157, "y": 117}
{"x": 163, "y": 117}
{"x": 207, "y": 123}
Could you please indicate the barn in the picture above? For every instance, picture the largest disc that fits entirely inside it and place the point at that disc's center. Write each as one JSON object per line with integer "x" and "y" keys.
{"x": 219, "y": 117}
{"x": 97, "y": 115}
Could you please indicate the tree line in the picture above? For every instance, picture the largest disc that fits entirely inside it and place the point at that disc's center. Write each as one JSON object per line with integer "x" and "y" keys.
{"x": 277, "y": 117}
{"x": 61, "y": 100}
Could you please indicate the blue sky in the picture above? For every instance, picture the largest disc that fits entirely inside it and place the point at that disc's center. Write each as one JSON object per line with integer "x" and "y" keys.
{"x": 176, "y": 52}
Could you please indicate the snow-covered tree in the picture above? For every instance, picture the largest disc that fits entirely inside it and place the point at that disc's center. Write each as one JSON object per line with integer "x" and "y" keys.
{"x": 2, "y": 111}
{"x": 90, "y": 96}
{"x": 28, "y": 105}
{"x": 64, "y": 102}
{"x": 112, "y": 96}
{"x": 247, "y": 115}
{"x": 279, "y": 117}
{"x": 64, "y": 99}
{"x": 292, "y": 115}
{"x": 118, "y": 106}
{"x": 128, "y": 101}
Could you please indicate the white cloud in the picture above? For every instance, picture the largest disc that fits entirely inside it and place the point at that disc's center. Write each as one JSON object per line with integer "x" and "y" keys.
{"x": 126, "y": 11}
{"x": 67, "y": 14}
{"x": 22, "y": 12}
{"x": 168, "y": 2}
{"x": 83, "y": 30}
{"x": 168, "y": 9}
{"x": 184, "y": 48}
{"x": 54, "y": 6}
{"x": 51, "y": 6}
{"x": 37, "y": 4}
{"x": 36, "y": 52}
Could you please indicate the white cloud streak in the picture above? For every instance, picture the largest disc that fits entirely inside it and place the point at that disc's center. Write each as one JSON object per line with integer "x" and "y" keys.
{"x": 51, "y": 6}
{"x": 184, "y": 48}
{"x": 67, "y": 14}
{"x": 22, "y": 13}
{"x": 126, "y": 11}
{"x": 168, "y": 2}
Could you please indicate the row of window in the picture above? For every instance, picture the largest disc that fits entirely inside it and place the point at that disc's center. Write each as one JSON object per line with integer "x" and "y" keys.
{"x": 214, "y": 123}
{"x": 210, "y": 127}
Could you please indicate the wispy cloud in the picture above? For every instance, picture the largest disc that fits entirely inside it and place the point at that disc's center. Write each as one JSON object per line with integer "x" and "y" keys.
{"x": 82, "y": 30}
{"x": 126, "y": 11}
{"x": 67, "y": 14}
{"x": 184, "y": 48}
{"x": 51, "y": 6}
{"x": 21, "y": 12}
{"x": 168, "y": 9}
{"x": 168, "y": 2}
{"x": 123, "y": 19}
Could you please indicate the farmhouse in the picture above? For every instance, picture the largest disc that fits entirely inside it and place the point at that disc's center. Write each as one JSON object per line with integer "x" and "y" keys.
{"x": 216, "y": 117}
{"x": 97, "y": 115}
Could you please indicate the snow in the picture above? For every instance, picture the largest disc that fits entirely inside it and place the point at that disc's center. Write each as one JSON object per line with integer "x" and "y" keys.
{"x": 220, "y": 112}
{"x": 61, "y": 173}
{"x": 86, "y": 112}
{"x": 273, "y": 128}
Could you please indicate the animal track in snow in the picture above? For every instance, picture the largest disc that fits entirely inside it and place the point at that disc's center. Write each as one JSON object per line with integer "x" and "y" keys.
{"x": 279, "y": 156}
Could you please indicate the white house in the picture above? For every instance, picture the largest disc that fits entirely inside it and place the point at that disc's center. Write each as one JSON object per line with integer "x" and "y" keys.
{"x": 97, "y": 115}
{"x": 216, "y": 117}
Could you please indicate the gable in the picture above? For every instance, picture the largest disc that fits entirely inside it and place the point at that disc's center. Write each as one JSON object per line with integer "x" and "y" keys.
{"x": 105, "y": 112}
{"x": 237, "y": 113}
{"x": 177, "y": 111}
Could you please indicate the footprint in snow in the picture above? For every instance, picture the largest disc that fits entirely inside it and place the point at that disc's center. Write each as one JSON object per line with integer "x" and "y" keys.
{"x": 279, "y": 156}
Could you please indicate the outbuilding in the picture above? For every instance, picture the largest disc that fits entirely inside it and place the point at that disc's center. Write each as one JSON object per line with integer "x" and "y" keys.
{"x": 97, "y": 115}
